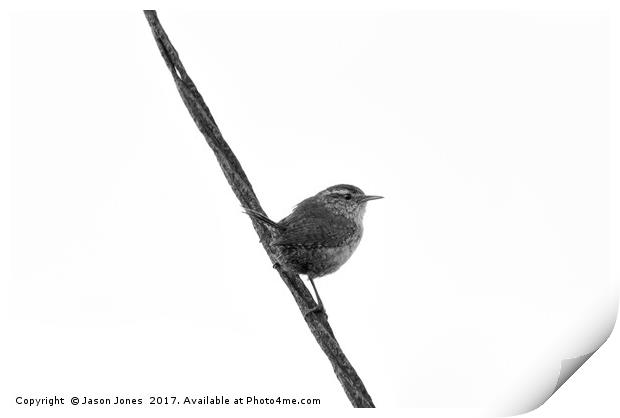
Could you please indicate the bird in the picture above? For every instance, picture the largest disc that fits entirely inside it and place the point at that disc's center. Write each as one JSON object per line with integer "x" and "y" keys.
{"x": 320, "y": 234}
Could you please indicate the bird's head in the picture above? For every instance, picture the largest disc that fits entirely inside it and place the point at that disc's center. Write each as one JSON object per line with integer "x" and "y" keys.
{"x": 345, "y": 200}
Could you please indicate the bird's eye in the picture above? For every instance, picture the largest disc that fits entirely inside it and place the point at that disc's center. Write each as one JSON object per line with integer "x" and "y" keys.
{"x": 348, "y": 196}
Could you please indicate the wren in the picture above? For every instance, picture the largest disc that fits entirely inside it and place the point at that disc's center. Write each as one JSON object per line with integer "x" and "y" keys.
{"x": 321, "y": 233}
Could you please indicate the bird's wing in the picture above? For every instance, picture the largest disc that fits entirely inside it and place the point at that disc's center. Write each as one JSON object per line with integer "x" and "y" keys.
{"x": 313, "y": 229}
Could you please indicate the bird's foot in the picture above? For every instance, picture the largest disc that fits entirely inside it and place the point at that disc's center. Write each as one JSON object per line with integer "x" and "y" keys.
{"x": 317, "y": 309}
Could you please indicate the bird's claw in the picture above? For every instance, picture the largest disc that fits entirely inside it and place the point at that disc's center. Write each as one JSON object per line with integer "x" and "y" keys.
{"x": 317, "y": 309}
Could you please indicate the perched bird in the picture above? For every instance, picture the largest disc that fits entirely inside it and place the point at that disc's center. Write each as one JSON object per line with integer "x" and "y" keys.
{"x": 321, "y": 233}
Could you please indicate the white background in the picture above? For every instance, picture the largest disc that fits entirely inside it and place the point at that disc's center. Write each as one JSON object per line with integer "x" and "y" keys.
{"x": 133, "y": 270}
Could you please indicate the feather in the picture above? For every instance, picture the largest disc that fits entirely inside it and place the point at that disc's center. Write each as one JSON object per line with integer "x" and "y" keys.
{"x": 314, "y": 227}
{"x": 261, "y": 218}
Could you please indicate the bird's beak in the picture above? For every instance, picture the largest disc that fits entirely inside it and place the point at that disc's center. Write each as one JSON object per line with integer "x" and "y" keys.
{"x": 367, "y": 198}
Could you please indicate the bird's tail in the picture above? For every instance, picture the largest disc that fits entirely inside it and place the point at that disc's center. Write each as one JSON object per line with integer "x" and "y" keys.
{"x": 261, "y": 218}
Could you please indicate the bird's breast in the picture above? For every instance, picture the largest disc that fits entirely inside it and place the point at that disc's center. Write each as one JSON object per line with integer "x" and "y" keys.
{"x": 332, "y": 258}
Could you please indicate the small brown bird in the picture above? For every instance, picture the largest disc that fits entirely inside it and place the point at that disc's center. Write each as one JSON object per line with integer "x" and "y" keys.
{"x": 321, "y": 233}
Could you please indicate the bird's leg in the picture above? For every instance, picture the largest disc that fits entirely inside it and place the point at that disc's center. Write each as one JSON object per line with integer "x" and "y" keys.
{"x": 318, "y": 298}
{"x": 319, "y": 307}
